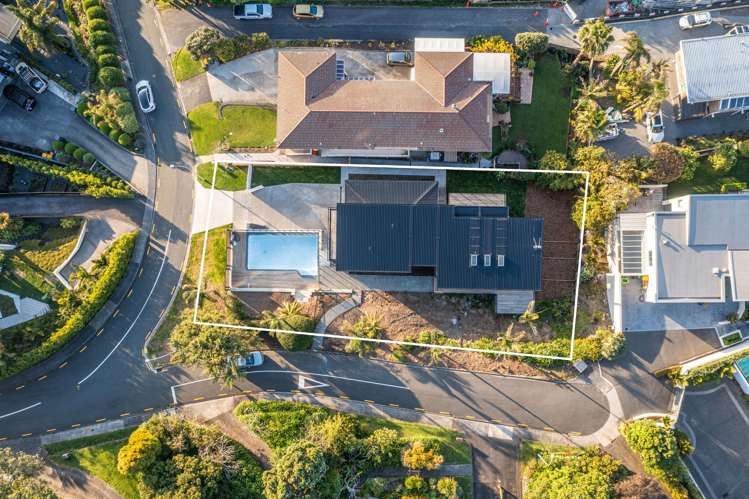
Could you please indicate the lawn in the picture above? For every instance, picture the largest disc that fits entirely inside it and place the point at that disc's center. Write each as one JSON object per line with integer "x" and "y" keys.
{"x": 228, "y": 178}
{"x": 276, "y": 175}
{"x": 22, "y": 277}
{"x": 544, "y": 122}
{"x": 240, "y": 126}
{"x": 452, "y": 446}
{"x": 185, "y": 67}
{"x": 708, "y": 181}
{"x": 97, "y": 456}
{"x": 486, "y": 183}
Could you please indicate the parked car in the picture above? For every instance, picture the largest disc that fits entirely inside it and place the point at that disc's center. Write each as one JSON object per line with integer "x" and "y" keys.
{"x": 697, "y": 20}
{"x": 738, "y": 30}
{"x": 252, "y": 359}
{"x": 31, "y": 78}
{"x": 19, "y": 97}
{"x": 400, "y": 59}
{"x": 654, "y": 123}
{"x": 248, "y": 11}
{"x": 145, "y": 96}
{"x": 308, "y": 11}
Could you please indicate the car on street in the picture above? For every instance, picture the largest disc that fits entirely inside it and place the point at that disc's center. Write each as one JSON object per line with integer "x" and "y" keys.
{"x": 249, "y": 11}
{"x": 31, "y": 78}
{"x": 252, "y": 359}
{"x": 400, "y": 58}
{"x": 697, "y": 20}
{"x": 145, "y": 96}
{"x": 654, "y": 123}
{"x": 741, "y": 29}
{"x": 308, "y": 11}
{"x": 19, "y": 97}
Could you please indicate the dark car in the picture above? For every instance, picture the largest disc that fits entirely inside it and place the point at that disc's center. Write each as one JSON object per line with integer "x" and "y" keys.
{"x": 19, "y": 97}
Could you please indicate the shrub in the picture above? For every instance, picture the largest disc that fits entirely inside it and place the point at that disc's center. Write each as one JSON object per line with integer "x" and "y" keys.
{"x": 414, "y": 483}
{"x": 691, "y": 162}
{"x": 129, "y": 124}
{"x": 108, "y": 61}
{"x": 58, "y": 145}
{"x": 368, "y": 326}
{"x": 98, "y": 38}
{"x": 279, "y": 423}
{"x": 69, "y": 222}
{"x": 448, "y": 487}
{"x": 70, "y": 148}
{"x": 78, "y": 153}
{"x": 418, "y": 456}
{"x": 732, "y": 187}
{"x": 111, "y": 77}
{"x": 226, "y": 50}
{"x": 99, "y": 25}
{"x": 743, "y": 148}
{"x": 140, "y": 452}
{"x": 114, "y": 134}
{"x": 96, "y": 12}
{"x": 202, "y": 42}
{"x": 87, "y": 4}
{"x": 298, "y": 471}
{"x": 88, "y": 159}
{"x": 104, "y": 128}
{"x": 105, "y": 49}
{"x": 261, "y": 40}
{"x": 723, "y": 157}
{"x": 668, "y": 163}
{"x": 532, "y": 43}
{"x": 124, "y": 140}
{"x": 383, "y": 448}
{"x": 495, "y": 44}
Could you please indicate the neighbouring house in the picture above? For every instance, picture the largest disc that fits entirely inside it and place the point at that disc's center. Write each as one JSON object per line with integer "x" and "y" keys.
{"x": 442, "y": 108}
{"x": 711, "y": 75}
{"x": 384, "y": 229}
{"x": 9, "y": 25}
{"x": 694, "y": 249}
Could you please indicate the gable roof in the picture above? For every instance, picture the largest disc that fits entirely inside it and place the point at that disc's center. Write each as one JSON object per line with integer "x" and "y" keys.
{"x": 442, "y": 109}
{"x": 716, "y": 67}
{"x": 392, "y": 191}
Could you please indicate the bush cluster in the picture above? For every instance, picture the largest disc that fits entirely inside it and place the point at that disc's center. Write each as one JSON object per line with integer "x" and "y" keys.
{"x": 112, "y": 113}
{"x": 67, "y": 152}
{"x": 115, "y": 261}
{"x": 91, "y": 183}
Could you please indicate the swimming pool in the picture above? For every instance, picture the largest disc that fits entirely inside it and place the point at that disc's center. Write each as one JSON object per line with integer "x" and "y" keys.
{"x": 283, "y": 251}
{"x": 742, "y": 373}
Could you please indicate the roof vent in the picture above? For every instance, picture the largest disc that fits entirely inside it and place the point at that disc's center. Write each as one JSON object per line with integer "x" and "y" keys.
{"x": 487, "y": 260}
{"x": 474, "y": 260}
{"x": 537, "y": 245}
{"x": 500, "y": 260}
{"x": 442, "y": 130}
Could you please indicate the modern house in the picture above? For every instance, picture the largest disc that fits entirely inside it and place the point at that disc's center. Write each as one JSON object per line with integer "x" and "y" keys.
{"x": 711, "y": 75}
{"x": 694, "y": 250}
{"x": 398, "y": 227}
{"x": 441, "y": 108}
{"x": 9, "y": 25}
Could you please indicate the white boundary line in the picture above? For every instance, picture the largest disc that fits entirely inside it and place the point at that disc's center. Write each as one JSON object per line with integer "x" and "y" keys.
{"x": 145, "y": 303}
{"x": 233, "y": 160}
{"x": 20, "y": 410}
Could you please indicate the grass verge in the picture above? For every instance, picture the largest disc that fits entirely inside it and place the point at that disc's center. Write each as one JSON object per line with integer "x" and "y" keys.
{"x": 228, "y": 178}
{"x": 185, "y": 67}
{"x": 240, "y": 126}
{"x": 276, "y": 175}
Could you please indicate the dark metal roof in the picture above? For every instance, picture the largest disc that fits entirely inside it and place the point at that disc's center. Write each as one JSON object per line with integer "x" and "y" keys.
{"x": 381, "y": 238}
{"x": 391, "y": 191}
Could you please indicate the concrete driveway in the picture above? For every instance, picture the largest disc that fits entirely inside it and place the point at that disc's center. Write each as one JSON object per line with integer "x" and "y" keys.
{"x": 717, "y": 421}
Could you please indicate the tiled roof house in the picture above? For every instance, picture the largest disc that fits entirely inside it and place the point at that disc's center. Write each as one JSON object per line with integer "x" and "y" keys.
{"x": 440, "y": 109}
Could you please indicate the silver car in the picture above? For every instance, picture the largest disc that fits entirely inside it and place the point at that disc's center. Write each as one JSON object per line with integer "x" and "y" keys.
{"x": 400, "y": 59}
{"x": 145, "y": 96}
{"x": 697, "y": 20}
{"x": 252, "y": 359}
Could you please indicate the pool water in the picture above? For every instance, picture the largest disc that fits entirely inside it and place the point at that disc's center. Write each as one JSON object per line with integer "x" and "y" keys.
{"x": 282, "y": 251}
{"x": 743, "y": 365}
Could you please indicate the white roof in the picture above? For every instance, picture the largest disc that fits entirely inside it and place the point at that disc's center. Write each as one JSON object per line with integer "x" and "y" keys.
{"x": 494, "y": 68}
{"x": 439, "y": 44}
{"x": 716, "y": 67}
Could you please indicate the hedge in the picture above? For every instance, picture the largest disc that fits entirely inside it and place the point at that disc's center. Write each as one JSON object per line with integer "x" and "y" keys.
{"x": 87, "y": 4}
{"x": 124, "y": 140}
{"x": 709, "y": 372}
{"x": 78, "y": 153}
{"x": 105, "y": 49}
{"x": 117, "y": 258}
{"x": 58, "y": 145}
{"x": 111, "y": 77}
{"x": 108, "y": 61}
{"x": 96, "y": 12}
{"x": 93, "y": 184}
{"x": 98, "y": 38}
{"x": 70, "y": 148}
{"x": 99, "y": 25}
{"x": 89, "y": 158}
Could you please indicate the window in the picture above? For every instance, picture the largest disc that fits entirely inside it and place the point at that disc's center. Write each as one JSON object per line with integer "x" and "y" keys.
{"x": 734, "y": 103}
{"x": 500, "y": 260}
{"x": 474, "y": 260}
{"x": 487, "y": 260}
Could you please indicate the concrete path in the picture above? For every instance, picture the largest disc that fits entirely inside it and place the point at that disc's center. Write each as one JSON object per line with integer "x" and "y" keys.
{"x": 209, "y": 214}
{"x": 328, "y": 317}
{"x": 71, "y": 483}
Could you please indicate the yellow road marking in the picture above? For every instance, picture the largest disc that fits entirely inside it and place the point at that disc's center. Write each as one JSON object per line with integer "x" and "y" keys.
{"x": 522, "y": 425}
{"x": 346, "y": 397}
{"x": 498, "y": 421}
{"x": 140, "y": 271}
{"x": 246, "y": 391}
{"x": 26, "y": 434}
{"x": 100, "y": 331}
{"x": 419, "y": 409}
{"x": 51, "y": 430}
{"x": 83, "y": 349}
{"x": 42, "y": 378}
{"x": 129, "y": 293}
{"x": 223, "y": 394}
{"x": 393, "y": 405}
{"x": 369, "y": 401}
{"x": 470, "y": 417}
{"x": 3, "y": 438}
{"x": 575, "y": 433}
{"x": 270, "y": 390}
{"x": 174, "y": 288}
{"x": 63, "y": 364}
{"x": 445, "y": 413}
{"x": 296, "y": 391}
{"x": 124, "y": 414}
{"x": 100, "y": 420}
{"x": 19, "y": 387}
{"x": 319, "y": 393}
{"x": 548, "y": 428}
{"x": 115, "y": 313}
{"x": 148, "y": 409}
{"x": 75, "y": 425}
{"x": 199, "y": 398}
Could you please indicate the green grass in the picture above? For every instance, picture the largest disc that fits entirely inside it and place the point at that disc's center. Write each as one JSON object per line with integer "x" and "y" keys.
{"x": 544, "y": 122}
{"x": 276, "y": 175}
{"x": 228, "y": 178}
{"x": 486, "y": 183}
{"x": 97, "y": 456}
{"x": 22, "y": 277}
{"x": 529, "y": 451}
{"x": 708, "y": 181}
{"x": 185, "y": 67}
{"x": 452, "y": 446}
{"x": 241, "y": 126}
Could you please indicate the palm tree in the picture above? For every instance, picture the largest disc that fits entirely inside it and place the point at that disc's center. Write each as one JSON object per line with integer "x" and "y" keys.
{"x": 593, "y": 89}
{"x": 38, "y": 24}
{"x": 289, "y": 309}
{"x": 590, "y": 121}
{"x": 634, "y": 49}
{"x": 269, "y": 320}
{"x": 594, "y": 38}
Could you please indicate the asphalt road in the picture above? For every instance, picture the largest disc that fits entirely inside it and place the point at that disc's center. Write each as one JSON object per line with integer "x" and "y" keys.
{"x": 361, "y": 23}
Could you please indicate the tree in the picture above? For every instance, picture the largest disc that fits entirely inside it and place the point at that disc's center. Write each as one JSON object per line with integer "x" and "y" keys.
{"x": 383, "y": 448}
{"x": 19, "y": 476}
{"x": 140, "y": 452}
{"x": 213, "y": 348}
{"x": 418, "y": 456}
{"x": 37, "y": 29}
{"x": 202, "y": 42}
{"x": 297, "y": 471}
{"x": 723, "y": 157}
{"x": 691, "y": 162}
{"x": 10, "y": 228}
{"x": 634, "y": 49}
{"x": 668, "y": 163}
{"x": 586, "y": 475}
{"x": 532, "y": 42}
{"x": 594, "y": 38}
{"x": 554, "y": 160}
{"x": 336, "y": 436}
{"x": 590, "y": 121}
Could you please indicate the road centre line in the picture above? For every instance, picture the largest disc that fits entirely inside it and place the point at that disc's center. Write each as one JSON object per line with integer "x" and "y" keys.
{"x": 135, "y": 321}
{"x": 20, "y": 410}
